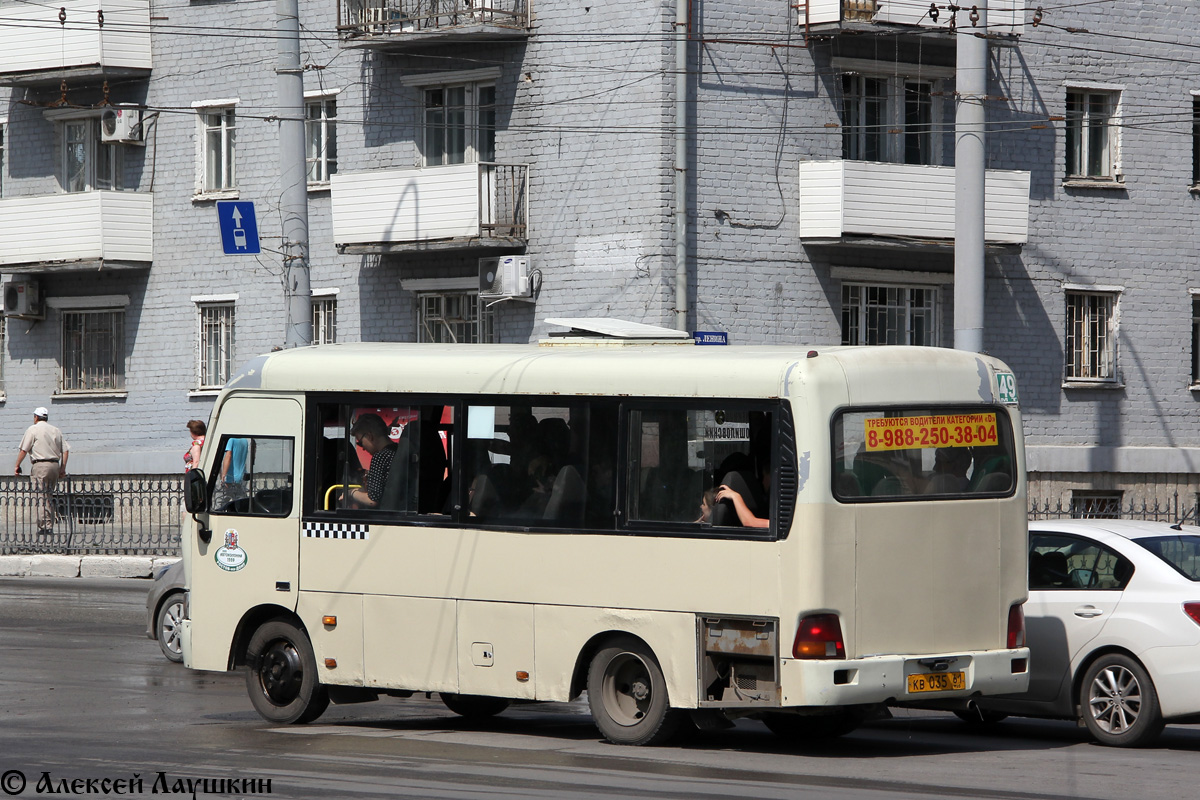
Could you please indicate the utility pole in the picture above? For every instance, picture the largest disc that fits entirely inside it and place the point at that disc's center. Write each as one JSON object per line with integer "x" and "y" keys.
{"x": 681, "y": 158}
{"x": 293, "y": 197}
{"x": 969, "y": 158}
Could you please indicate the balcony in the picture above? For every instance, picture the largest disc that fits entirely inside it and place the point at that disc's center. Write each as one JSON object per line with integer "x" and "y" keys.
{"x": 1004, "y": 16}
{"x": 454, "y": 207}
{"x": 841, "y": 200}
{"x": 82, "y": 230}
{"x": 405, "y": 24}
{"x": 35, "y": 49}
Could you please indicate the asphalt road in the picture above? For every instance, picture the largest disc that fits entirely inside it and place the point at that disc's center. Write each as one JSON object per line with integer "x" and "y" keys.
{"x": 84, "y": 695}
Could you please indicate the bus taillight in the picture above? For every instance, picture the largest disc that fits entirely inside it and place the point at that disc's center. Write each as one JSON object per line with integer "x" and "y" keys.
{"x": 1016, "y": 627}
{"x": 819, "y": 636}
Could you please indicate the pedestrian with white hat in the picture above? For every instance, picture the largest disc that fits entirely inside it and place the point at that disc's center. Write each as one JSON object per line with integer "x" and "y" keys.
{"x": 48, "y": 453}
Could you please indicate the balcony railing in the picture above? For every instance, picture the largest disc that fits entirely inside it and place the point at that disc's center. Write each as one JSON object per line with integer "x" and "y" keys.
{"x": 35, "y": 48}
{"x": 1004, "y": 16}
{"x": 78, "y": 226}
{"x": 417, "y": 20}
{"x": 872, "y": 199}
{"x": 451, "y": 207}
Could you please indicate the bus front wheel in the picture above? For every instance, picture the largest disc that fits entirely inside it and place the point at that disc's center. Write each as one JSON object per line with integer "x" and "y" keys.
{"x": 281, "y": 675}
{"x": 627, "y": 694}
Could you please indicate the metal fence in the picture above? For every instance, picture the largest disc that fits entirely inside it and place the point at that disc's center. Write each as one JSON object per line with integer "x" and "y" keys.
{"x": 1161, "y": 509}
{"x": 131, "y": 515}
{"x": 141, "y": 514}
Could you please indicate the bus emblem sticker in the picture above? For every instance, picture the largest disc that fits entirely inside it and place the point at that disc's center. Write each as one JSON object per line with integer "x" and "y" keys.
{"x": 231, "y": 558}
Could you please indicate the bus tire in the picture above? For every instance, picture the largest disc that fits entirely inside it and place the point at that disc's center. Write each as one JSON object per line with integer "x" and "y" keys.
{"x": 474, "y": 706}
{"x": 627, "y": 694}
{"x": 798, "y": 728}
{"x": 281, "y": 675}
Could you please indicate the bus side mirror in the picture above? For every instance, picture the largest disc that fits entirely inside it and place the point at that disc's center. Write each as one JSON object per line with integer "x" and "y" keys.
{"x": 195, "y": 492}
{"x": 195, "y": 500}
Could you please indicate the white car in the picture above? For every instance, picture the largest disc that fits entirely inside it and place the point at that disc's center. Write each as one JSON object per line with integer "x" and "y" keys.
{"x": 1113, "y": 627}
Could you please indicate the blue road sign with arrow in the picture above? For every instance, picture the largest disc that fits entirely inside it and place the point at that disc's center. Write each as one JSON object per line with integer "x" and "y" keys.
{"x": 239, "y": 230}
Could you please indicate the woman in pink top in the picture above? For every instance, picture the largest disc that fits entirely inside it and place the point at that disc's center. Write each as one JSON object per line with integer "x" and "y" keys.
{"x": 191, "y": 459}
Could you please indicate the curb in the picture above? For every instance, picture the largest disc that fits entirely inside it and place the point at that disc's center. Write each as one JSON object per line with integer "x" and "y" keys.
{"x": 48, "y": 566}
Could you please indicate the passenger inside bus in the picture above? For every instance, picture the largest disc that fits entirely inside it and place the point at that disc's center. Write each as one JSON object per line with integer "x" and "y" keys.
{"x": 371, "y": 434}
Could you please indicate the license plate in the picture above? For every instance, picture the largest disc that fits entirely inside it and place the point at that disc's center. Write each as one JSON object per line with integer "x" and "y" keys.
{"x": 937, "y": 682}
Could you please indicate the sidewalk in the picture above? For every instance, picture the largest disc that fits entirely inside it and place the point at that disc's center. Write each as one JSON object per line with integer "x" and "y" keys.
{"x": 83, "y": 566}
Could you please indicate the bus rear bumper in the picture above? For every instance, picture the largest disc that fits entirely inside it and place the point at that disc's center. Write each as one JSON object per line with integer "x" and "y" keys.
{"x": 886, "y": 679}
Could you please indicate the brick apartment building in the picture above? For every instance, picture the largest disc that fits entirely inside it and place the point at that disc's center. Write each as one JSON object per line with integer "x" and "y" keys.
{"x": 818, "y": 198}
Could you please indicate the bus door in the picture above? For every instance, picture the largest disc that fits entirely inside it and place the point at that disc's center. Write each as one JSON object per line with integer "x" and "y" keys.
{"x": 252, "y": 558}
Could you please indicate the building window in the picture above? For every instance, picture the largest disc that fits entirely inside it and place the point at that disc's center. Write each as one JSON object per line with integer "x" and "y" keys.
{"x": 888, "y": 119}
{"x": 3, "y": 160}
{"x": 452, "y": 317}
{"x": 320, "y": 133}
{"x": 889, "y": 315}
{"x": 1196, "y": 339}
{"x": 219, "y": 128}
{"x": 215, "y": 344}
{"x": 1091, "y": 134}
{"x": 460, "y": 124}
{"x": 87, "y": 163}
{"x": 1088, "y": 504}
{"x": 3, "y": 355}
{"x": 1091, "y": 336}
{"x": 1195, "y": 141}
{"x": 93, "y": 351}
{"x": 324, "y": 320}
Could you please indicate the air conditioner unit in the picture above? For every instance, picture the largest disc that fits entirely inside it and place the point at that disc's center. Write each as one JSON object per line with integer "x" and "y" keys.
{"x": 503, "y": 278}
{"x": 23, "y": 299}
{"x": 121, "y": 124}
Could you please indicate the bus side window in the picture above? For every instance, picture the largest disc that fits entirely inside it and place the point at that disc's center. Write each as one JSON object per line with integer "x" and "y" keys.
{"x": 681, "y": 457}
{"x": 253, "y": 476}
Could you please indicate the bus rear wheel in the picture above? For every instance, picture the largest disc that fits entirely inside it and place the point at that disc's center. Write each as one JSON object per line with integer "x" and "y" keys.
{"x": 473, "y": 706}
{"x": 627, "y": 694}
{"x": 281, "y": 675}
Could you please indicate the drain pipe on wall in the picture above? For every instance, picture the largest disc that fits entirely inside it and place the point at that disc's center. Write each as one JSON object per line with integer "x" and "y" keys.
{"x": 682, "y": 24}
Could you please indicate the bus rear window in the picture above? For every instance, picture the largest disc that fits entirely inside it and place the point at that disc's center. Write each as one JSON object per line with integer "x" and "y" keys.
{"x": 936, "y": 453}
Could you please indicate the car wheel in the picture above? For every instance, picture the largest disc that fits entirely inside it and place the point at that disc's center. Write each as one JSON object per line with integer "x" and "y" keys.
{"x": 980, "y": 716}
{"x": 798, "y": 728}
{"x": 169, "y": 624}
{"x": 1118, "y": 702}
{"x": 474, "y": 706}
{"x": 627, "y": 694}
{"x": 281, "y": 675}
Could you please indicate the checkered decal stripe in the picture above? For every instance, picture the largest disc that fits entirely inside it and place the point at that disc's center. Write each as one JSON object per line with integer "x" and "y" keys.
{"x": 336, "y": 530}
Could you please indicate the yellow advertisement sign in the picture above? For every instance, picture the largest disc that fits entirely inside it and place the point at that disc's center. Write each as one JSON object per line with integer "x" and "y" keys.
{"x": 939, "y": 430}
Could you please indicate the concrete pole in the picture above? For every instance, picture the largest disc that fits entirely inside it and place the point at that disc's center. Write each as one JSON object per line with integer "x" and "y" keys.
{"x": 293, "y": 197}
{"x": 681, "y": 158}
{"x": 969, "y": 159}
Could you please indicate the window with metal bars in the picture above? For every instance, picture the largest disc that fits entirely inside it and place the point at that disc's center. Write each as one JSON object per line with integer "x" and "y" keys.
{"x": 1090, "y": 504}
{"x": 215, "y": 344}
{"x": 452, "y": 317}
{"x": 1091, "y": 336}
{"x": 1195, "y": 339}
{"x": 3, "y": 355}
{"x": 324, "y": 320}
{"x": 889, "y": 315}
{"x": 93, "y": 351}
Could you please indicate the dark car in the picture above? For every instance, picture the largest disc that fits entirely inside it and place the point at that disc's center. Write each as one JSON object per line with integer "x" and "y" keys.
{"x": 164, "y": 610}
